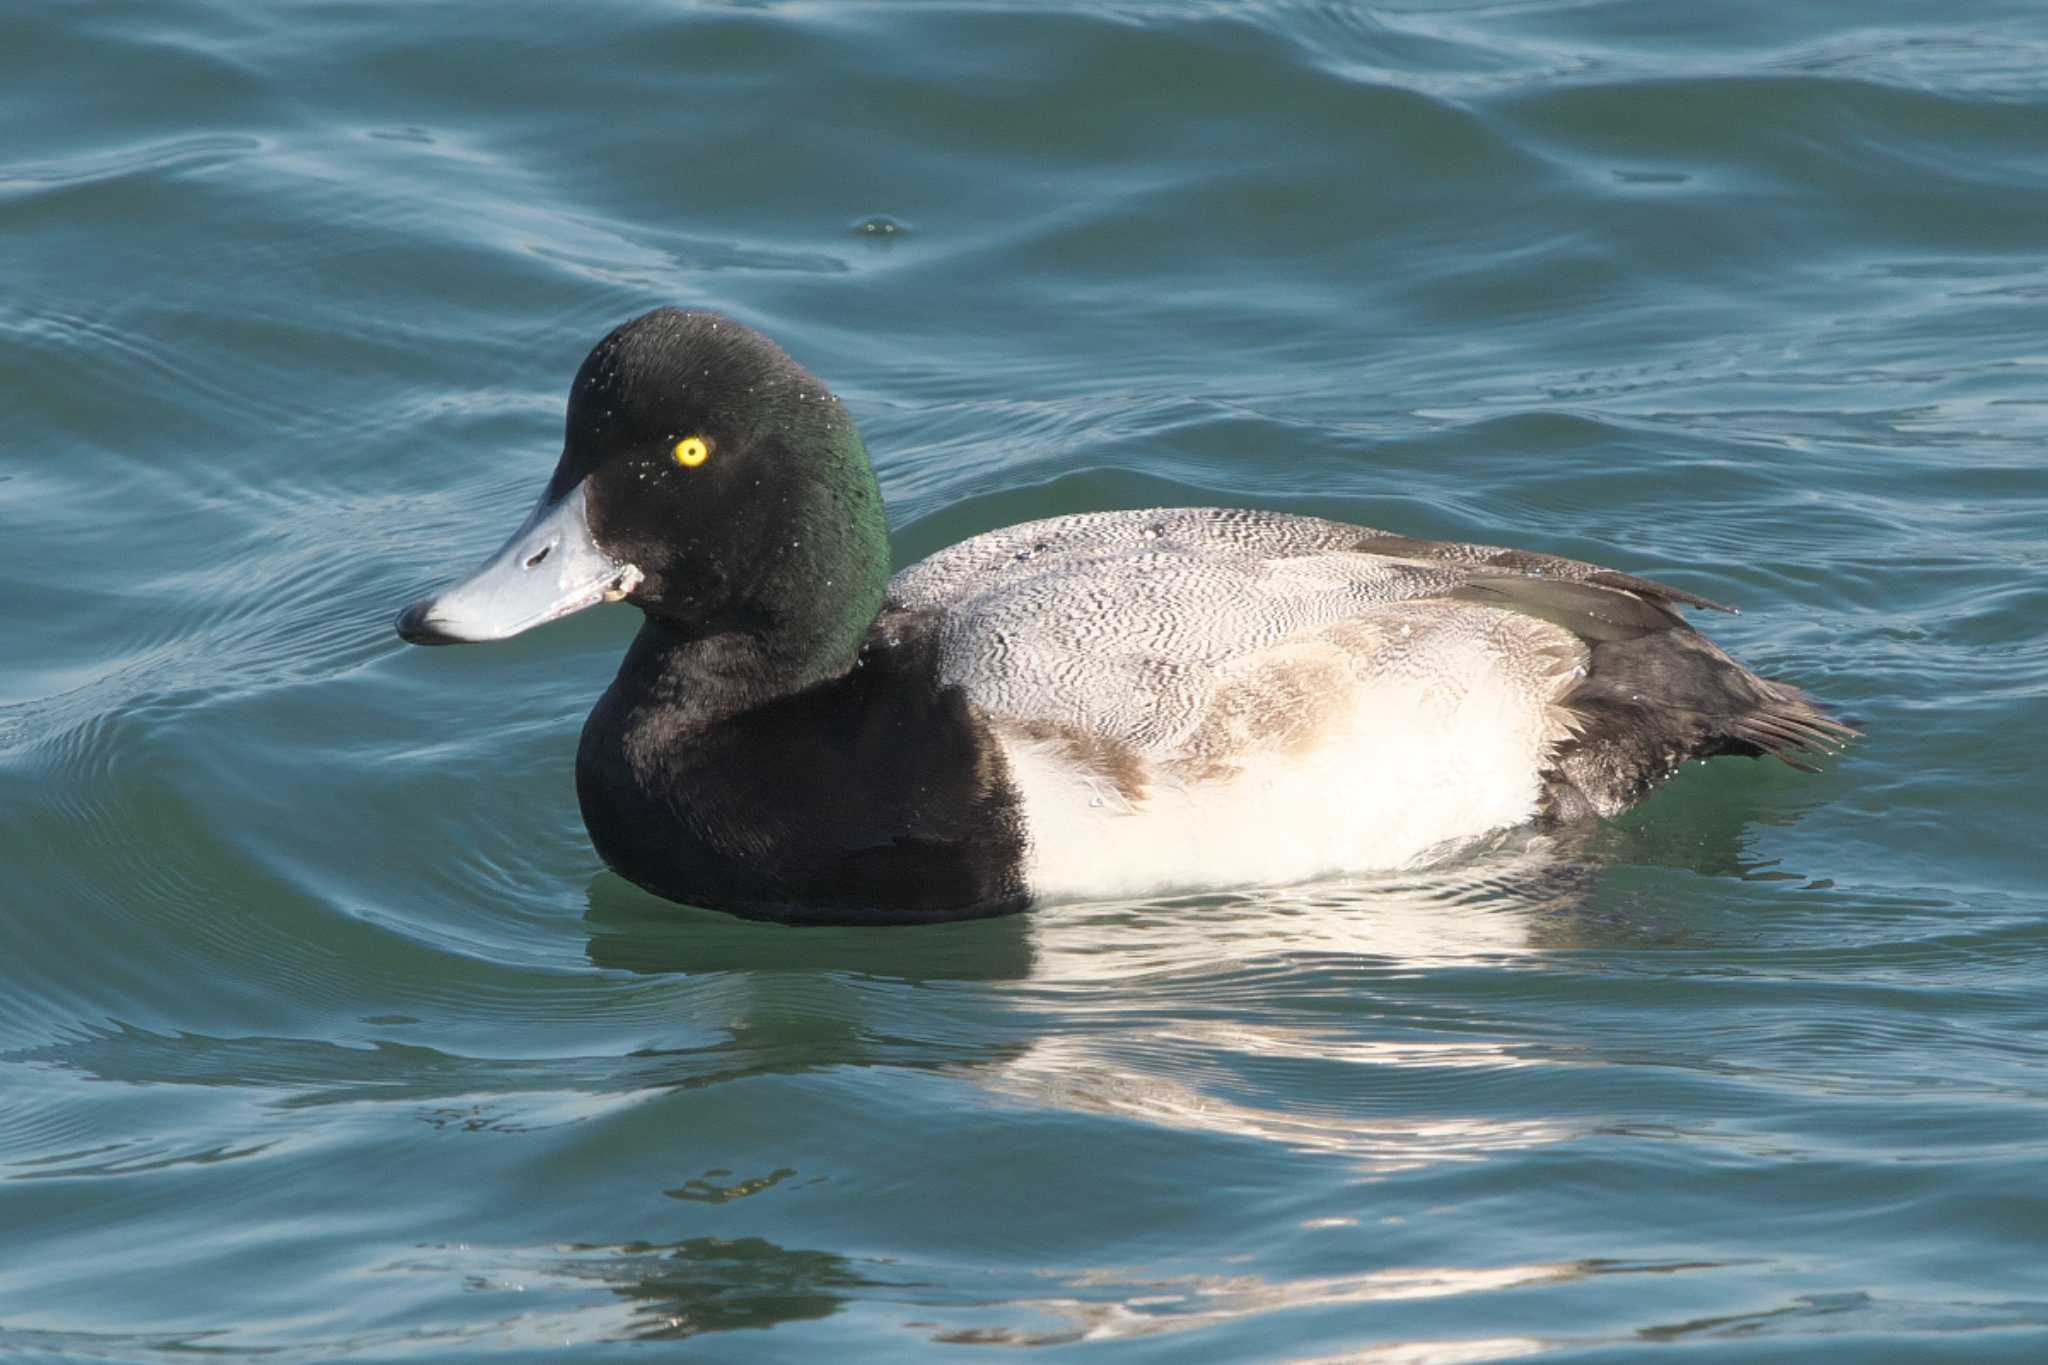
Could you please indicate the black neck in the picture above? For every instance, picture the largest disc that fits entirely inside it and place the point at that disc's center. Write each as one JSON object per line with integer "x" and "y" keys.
{"x": 701, "y": 679}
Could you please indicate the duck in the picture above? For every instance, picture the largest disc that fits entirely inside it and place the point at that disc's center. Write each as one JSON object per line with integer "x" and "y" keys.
{"x": 1099, "y": 705}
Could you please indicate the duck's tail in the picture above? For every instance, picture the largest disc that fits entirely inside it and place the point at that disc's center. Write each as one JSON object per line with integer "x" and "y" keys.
{"x": 1788, "y": 725}
{"x": 1652, "y": 701}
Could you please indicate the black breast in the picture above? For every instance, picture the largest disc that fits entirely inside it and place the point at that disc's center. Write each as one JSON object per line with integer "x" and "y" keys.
{"x": 875, "y": 797}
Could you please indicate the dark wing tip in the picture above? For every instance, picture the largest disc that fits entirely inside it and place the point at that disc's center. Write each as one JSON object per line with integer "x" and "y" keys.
{"x": 1628, "y": 582}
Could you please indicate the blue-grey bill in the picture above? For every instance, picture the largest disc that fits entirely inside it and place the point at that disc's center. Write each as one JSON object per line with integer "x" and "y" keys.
{"x": 550, "y": 568}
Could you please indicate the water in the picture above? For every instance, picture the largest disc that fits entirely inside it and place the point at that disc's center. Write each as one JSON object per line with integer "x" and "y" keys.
{"x": 324, "y": 1035}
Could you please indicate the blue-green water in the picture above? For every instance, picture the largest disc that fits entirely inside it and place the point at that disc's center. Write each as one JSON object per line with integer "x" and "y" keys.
{"x": 323, "y": 1034}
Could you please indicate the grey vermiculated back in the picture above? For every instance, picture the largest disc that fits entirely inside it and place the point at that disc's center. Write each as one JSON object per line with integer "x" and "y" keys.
{"x": 1116, "y": 623}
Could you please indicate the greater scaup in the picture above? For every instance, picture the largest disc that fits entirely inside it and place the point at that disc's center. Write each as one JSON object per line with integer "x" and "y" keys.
{"x": 1105, "y": 704}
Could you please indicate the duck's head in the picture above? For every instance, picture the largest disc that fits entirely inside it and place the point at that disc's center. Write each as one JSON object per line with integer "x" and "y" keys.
{"x": 706, "y": 478}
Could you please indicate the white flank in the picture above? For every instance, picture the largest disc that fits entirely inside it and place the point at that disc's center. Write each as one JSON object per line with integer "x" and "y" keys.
{"x": 1408, "y": 767}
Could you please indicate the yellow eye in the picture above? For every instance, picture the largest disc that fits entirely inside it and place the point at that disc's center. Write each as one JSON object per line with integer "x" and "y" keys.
{"x": 692, "y": 451}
